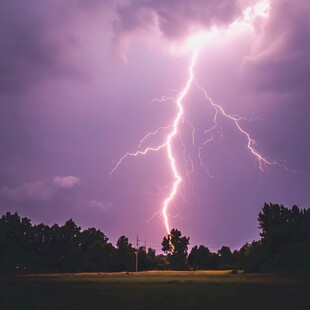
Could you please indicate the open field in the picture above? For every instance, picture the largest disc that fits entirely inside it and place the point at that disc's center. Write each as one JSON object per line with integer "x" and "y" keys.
{"x": 155, "y": 290}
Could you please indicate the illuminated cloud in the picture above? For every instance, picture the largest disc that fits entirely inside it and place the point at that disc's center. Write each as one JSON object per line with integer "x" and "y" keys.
{"x": 99, "y": 204}
{"x": 175, "y": 18}
{"x": 172, "y": 20}
{"x": 38, "y": 190}
{"x": 66, "y": 182}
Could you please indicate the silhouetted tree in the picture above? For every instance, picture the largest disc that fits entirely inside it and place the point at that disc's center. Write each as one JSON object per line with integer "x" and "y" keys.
{"x": 89, "y": 236}
{"x": 25, "y": 248}
{"x": 226, "y": 257}
{"x": 96, "y": 254}
{"x": 176, "y": 246}
{"x": 214, "y": 261}
{"x": 281, "y": 226}
{"x": 285, "y": 233}
{"x": 17, "y": 254}
{"x": 70, "y": 233}
{"x": 99, "y": 257}
{"x": 253, "y": 257}
{"x": 275, "y": 227}
{"x": 199, "y": 258}
{"x": 125, "y": 255}
{"x": 146, "y": 260}
{"x": 161, "y": 262}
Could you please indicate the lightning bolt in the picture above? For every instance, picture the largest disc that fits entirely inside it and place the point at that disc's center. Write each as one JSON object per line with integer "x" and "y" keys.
{"x": 168, "y": 142}
{"x": 176, "y": 175}
{"x": 173, "y": 131}
{"x": 177, "y": 179}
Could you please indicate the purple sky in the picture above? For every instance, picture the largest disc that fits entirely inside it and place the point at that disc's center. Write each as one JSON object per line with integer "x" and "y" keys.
{"x": 76, "y": 83}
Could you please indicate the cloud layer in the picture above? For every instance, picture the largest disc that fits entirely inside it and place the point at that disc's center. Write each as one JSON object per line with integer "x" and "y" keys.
{"x": 27, "y": 192}
{"x": 38, "y": 191}
{"x": 175, "y": 19}
{"x": 38, "y": 39}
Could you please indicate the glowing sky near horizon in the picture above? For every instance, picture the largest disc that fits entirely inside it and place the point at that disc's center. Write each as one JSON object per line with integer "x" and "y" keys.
{"x": 77, "y": 89}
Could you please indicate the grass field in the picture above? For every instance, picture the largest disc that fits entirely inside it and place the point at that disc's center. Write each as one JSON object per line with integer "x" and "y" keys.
{"x": 155, "y": 290}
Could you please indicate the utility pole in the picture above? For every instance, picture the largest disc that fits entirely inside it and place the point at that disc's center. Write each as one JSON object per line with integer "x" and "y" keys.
{"x": 137, "y": 250}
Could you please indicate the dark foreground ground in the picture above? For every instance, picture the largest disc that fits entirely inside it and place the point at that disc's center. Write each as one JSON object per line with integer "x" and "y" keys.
{"x": 155, "y": 290}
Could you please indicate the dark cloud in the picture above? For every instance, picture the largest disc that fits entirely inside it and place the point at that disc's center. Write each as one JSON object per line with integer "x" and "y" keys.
{"x": 38, "y": 38}
{"x": 280, "y": 62}
{"x": 27, "y": 51}
{"x": 35, "y": 191}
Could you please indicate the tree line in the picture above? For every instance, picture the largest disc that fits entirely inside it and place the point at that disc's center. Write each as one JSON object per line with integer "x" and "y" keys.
{"x": 27, "y": 248}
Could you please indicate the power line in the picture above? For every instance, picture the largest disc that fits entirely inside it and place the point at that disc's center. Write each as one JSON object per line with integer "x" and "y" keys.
{"x": 137, "y": 251}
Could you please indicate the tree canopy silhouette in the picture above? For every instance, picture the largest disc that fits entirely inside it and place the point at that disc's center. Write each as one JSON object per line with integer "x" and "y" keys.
{"x": 27, "y": 248}
{"x": 176, "y": 246}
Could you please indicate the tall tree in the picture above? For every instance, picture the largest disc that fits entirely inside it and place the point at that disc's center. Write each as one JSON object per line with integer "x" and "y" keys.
{"x": 226, "y": 256}
{"x": 16, "y": 249}
{"x": 281, "y": 226}
{"x": 286, "y": 235}
{"x": 89, "y": 236}
{"x": 176, "y": 247}
{"x": 125, "y": 255}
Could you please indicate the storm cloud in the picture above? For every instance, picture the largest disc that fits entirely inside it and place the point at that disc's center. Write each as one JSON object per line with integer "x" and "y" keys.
{"x": 280, "y": 58}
